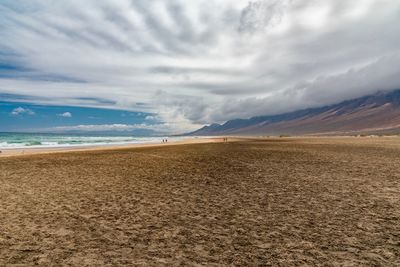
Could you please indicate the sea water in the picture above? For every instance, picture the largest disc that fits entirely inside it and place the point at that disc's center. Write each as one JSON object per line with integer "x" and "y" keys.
{"x": 31, "y": 140}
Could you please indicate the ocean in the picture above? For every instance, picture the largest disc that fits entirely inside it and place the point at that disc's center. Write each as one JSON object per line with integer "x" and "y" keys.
{"x": 33, "y": 140}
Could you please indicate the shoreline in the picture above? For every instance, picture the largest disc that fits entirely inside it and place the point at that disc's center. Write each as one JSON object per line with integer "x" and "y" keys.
{"x": 17, "y": 152}
{"x": 52, "y": 150}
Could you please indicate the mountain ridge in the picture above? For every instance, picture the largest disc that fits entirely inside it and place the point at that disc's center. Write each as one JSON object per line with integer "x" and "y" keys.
{"x": 376, "y": 113}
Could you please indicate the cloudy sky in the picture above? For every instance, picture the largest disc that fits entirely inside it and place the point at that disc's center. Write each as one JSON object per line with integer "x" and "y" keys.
{"x": 177, "y": 65}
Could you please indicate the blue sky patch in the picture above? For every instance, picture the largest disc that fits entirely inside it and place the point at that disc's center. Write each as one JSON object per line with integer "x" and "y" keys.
{"x": 21, "y": 117}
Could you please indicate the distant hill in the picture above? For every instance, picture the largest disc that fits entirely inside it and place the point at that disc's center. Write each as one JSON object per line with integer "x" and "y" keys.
{"x": 378, "y": 113}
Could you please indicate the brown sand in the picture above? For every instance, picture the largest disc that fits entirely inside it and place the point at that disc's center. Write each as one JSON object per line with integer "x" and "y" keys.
{"x": 51, "y": 150}
{"x": 314, "y": 201}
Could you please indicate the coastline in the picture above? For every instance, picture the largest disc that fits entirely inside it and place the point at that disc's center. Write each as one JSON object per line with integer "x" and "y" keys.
{"x": 51, "y": 150}
{"x": 386, "y": 141}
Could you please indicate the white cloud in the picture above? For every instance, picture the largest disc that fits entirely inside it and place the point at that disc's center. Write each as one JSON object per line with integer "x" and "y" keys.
{"x": 195, "y": 62}
{"x": 160, "y": 128}
{"x": 21, "y": 111}
{"x": 150, "y": 118}
{"x": 65, "y": 115}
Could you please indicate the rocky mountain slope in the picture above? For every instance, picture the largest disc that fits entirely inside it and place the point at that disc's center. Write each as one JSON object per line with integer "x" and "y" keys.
{"x": 378, "y": 113}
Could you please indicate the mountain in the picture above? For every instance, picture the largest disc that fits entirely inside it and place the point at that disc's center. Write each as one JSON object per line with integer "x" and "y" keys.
{"x": 378, "y": 113}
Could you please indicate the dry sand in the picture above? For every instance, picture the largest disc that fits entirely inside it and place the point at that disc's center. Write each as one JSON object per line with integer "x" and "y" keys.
{"x": 312, "y": 201}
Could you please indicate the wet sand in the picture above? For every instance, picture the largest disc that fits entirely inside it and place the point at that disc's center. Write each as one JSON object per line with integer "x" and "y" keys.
{"x": 279, "y": 202}
{"x": 49, "y": 150}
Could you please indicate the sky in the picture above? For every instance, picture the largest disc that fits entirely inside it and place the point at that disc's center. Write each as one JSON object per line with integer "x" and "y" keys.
{"x": 174, "y": 66}
{"x": 24, "y": 117}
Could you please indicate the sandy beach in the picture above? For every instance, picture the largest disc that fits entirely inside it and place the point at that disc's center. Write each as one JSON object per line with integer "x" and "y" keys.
{"x": 281, "y": 202}
{"x": 50, "y": 150}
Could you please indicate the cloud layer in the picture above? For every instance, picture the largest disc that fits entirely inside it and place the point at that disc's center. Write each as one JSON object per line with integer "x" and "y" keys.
{"x": 22, "y": 111}
{"x": 65, "y": 115}
{"x": 197, "y": 62}
{"x": 157, "y": 128}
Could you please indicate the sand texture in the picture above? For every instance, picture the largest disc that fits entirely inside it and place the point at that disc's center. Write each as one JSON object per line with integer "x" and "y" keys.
{"x": 279, "y": 202}
{"x": 52, "y": 150}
